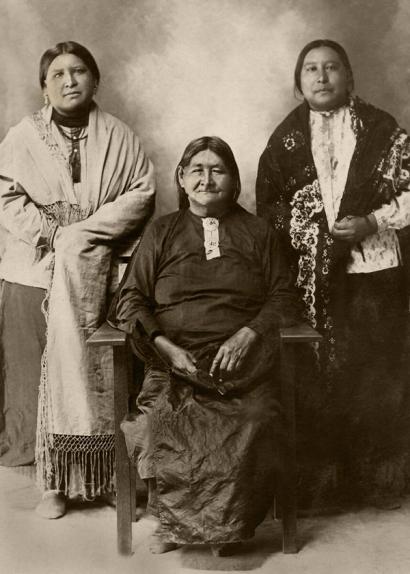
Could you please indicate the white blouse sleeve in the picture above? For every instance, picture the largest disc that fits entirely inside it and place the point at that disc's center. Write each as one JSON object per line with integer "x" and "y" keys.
{"x": 394, "y": 215}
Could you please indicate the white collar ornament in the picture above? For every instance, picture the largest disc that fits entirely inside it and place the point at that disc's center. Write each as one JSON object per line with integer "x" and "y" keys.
{"x": 211, "y": 237}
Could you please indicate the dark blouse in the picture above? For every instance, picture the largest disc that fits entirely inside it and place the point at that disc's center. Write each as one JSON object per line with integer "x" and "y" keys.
{"x": 171, "y": 287}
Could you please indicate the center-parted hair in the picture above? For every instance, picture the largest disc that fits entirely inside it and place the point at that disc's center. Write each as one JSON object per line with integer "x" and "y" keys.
{"x": 68, "y": 48}
{"x": 319, "y": 44}
{"x": 219, "y": 147}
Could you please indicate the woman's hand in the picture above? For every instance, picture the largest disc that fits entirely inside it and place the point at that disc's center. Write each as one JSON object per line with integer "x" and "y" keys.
{"x": 354, "y": 229}
{"x": 232, "y": 353}
{"x": 179, "y": 359}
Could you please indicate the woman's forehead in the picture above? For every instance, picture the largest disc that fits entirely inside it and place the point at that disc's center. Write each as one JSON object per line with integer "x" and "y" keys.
{"x": 65, "y": 60}
{"x": 206, "y": 157}
{"x": 322, "y": 53}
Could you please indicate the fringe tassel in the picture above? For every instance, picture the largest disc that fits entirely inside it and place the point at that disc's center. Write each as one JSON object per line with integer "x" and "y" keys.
{"x": 81, "y": 473}
{"x": 44, "y": 441}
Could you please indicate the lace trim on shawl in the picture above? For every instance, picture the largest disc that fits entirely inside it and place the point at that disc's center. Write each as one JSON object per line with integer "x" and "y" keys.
{"x": 64, "y": 213}
{"x": 357, "y": 124}
{"x": 390, "y": 167}
{"x": 304, "y": 236}
{"x": 77, "y": 443}
{"x": 45, "y": 133}
{"x": 304, "y": 233}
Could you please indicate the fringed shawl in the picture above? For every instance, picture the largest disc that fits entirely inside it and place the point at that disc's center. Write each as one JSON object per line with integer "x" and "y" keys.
{"x": 75, "y": 424}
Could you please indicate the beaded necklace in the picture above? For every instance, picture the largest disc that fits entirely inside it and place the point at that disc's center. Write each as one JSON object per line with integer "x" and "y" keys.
{"x": 73, "y": 129}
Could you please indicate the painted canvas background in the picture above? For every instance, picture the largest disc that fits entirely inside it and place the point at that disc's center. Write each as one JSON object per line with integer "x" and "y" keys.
{"x": 178, "y": 69}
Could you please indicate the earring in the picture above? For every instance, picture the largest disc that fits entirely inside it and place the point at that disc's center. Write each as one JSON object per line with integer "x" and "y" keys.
{"x": 95, "y": 89}
{"x": 46, "y": 100}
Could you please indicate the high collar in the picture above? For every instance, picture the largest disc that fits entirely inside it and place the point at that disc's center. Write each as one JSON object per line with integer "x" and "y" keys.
{"x": 228, "y": 211}
{"x": 49, "y": 114}
{"x": 330, "y": 113}
{"x": 76, "y": 121}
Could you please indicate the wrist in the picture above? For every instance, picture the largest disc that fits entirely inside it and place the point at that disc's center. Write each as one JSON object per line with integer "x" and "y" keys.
{"x": 164, "y": 345}
{"x": 154, "y": 334}
{"x": 251, "y": 333}
{"x": 371, "y": 223}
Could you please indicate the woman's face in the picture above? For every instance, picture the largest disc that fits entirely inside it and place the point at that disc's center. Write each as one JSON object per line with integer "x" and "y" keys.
{"x": 324, "y": 80}
{"x": 69, "y": 84}
{"x": 207, "y": 183}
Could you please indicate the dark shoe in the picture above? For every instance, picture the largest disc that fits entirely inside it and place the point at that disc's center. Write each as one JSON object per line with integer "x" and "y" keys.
{"x": 228, "y": 549}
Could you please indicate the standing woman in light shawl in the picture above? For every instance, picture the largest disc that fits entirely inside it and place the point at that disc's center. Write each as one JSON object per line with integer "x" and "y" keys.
{"x": 73, "y": 181}
{"x": 334, "y": 180}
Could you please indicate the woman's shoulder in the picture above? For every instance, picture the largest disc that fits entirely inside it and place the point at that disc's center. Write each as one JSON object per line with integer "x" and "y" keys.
{"x": 292, "y": 121}
{"x": 21, "y": 126}
{"x": 290, "y": 133}
{"x": 17, "y": 134}
{"x": 168, "y": 219}
{"x": 256, "y": 225}
{"x": 113, "y": 123}
{"x": 367, "y": 112}
{"x": 163, "y": 223}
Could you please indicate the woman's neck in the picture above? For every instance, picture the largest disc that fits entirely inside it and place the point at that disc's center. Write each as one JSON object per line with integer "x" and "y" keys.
{"x": 209, "y": 211}
{"x": 79, "y": 119}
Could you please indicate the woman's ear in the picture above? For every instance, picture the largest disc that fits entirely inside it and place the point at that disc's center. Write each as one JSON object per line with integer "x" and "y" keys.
{"x": 181, "y": 176}
{"x": 45, "y": 95}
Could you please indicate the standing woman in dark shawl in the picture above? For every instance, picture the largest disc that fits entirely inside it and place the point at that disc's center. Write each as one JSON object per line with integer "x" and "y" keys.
{"x": 334, "y": 181}
{"x": 73, "y": 180}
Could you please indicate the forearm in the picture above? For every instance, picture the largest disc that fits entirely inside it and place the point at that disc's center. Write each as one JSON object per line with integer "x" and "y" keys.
{"x": 280, "y": 308}
{"x": 21, "y": 217}
{"x": 128, "y": 212}
{"x": 394, "y": 215}
{"x": 279, "y": 311}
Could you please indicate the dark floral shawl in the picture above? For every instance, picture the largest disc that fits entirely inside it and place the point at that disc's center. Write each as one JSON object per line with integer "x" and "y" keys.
{"x": 288, "y": 194}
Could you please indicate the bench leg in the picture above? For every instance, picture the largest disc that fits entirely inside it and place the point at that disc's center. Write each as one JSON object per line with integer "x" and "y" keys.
{"x": 122, "y": 462}
{"x": 289, "y": 519}
{"x": 288, "y": 502}
{"x": 133, "y": 492}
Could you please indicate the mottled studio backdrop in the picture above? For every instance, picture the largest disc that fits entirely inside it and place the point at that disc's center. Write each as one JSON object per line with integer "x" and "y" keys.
{"x": 178, "y": 69}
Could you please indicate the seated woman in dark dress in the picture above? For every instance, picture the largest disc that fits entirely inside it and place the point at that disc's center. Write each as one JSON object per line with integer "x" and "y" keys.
{"x": 203, "y": 298}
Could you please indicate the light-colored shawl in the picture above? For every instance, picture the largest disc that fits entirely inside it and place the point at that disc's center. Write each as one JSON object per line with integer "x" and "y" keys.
{"x": 75, "y": 423}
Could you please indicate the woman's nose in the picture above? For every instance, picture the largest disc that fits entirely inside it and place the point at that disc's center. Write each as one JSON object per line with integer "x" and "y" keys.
{"x": 323, "y": 77}
{"x": 207, "y": 175}
{"x": 70, "y": 79}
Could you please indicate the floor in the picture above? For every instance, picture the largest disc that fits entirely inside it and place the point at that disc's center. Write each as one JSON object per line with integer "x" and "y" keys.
{"x": 84, "y": 542}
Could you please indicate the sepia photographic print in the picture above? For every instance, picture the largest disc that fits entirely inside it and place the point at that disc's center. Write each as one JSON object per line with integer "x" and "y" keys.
{"x": 204, "y": 286}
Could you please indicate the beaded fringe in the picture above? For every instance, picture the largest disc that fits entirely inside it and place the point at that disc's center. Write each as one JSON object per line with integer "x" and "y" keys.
{"x": 78, "y": 473}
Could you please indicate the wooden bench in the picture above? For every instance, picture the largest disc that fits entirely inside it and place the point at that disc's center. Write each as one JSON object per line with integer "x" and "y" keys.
{"x": 125, "y": 472}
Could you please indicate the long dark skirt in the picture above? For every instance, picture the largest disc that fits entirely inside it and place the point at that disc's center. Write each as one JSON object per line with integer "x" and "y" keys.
{"x": 216, "y": 460}
{"x": 354, "y": 427}
{"x": 22, "y": 340}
